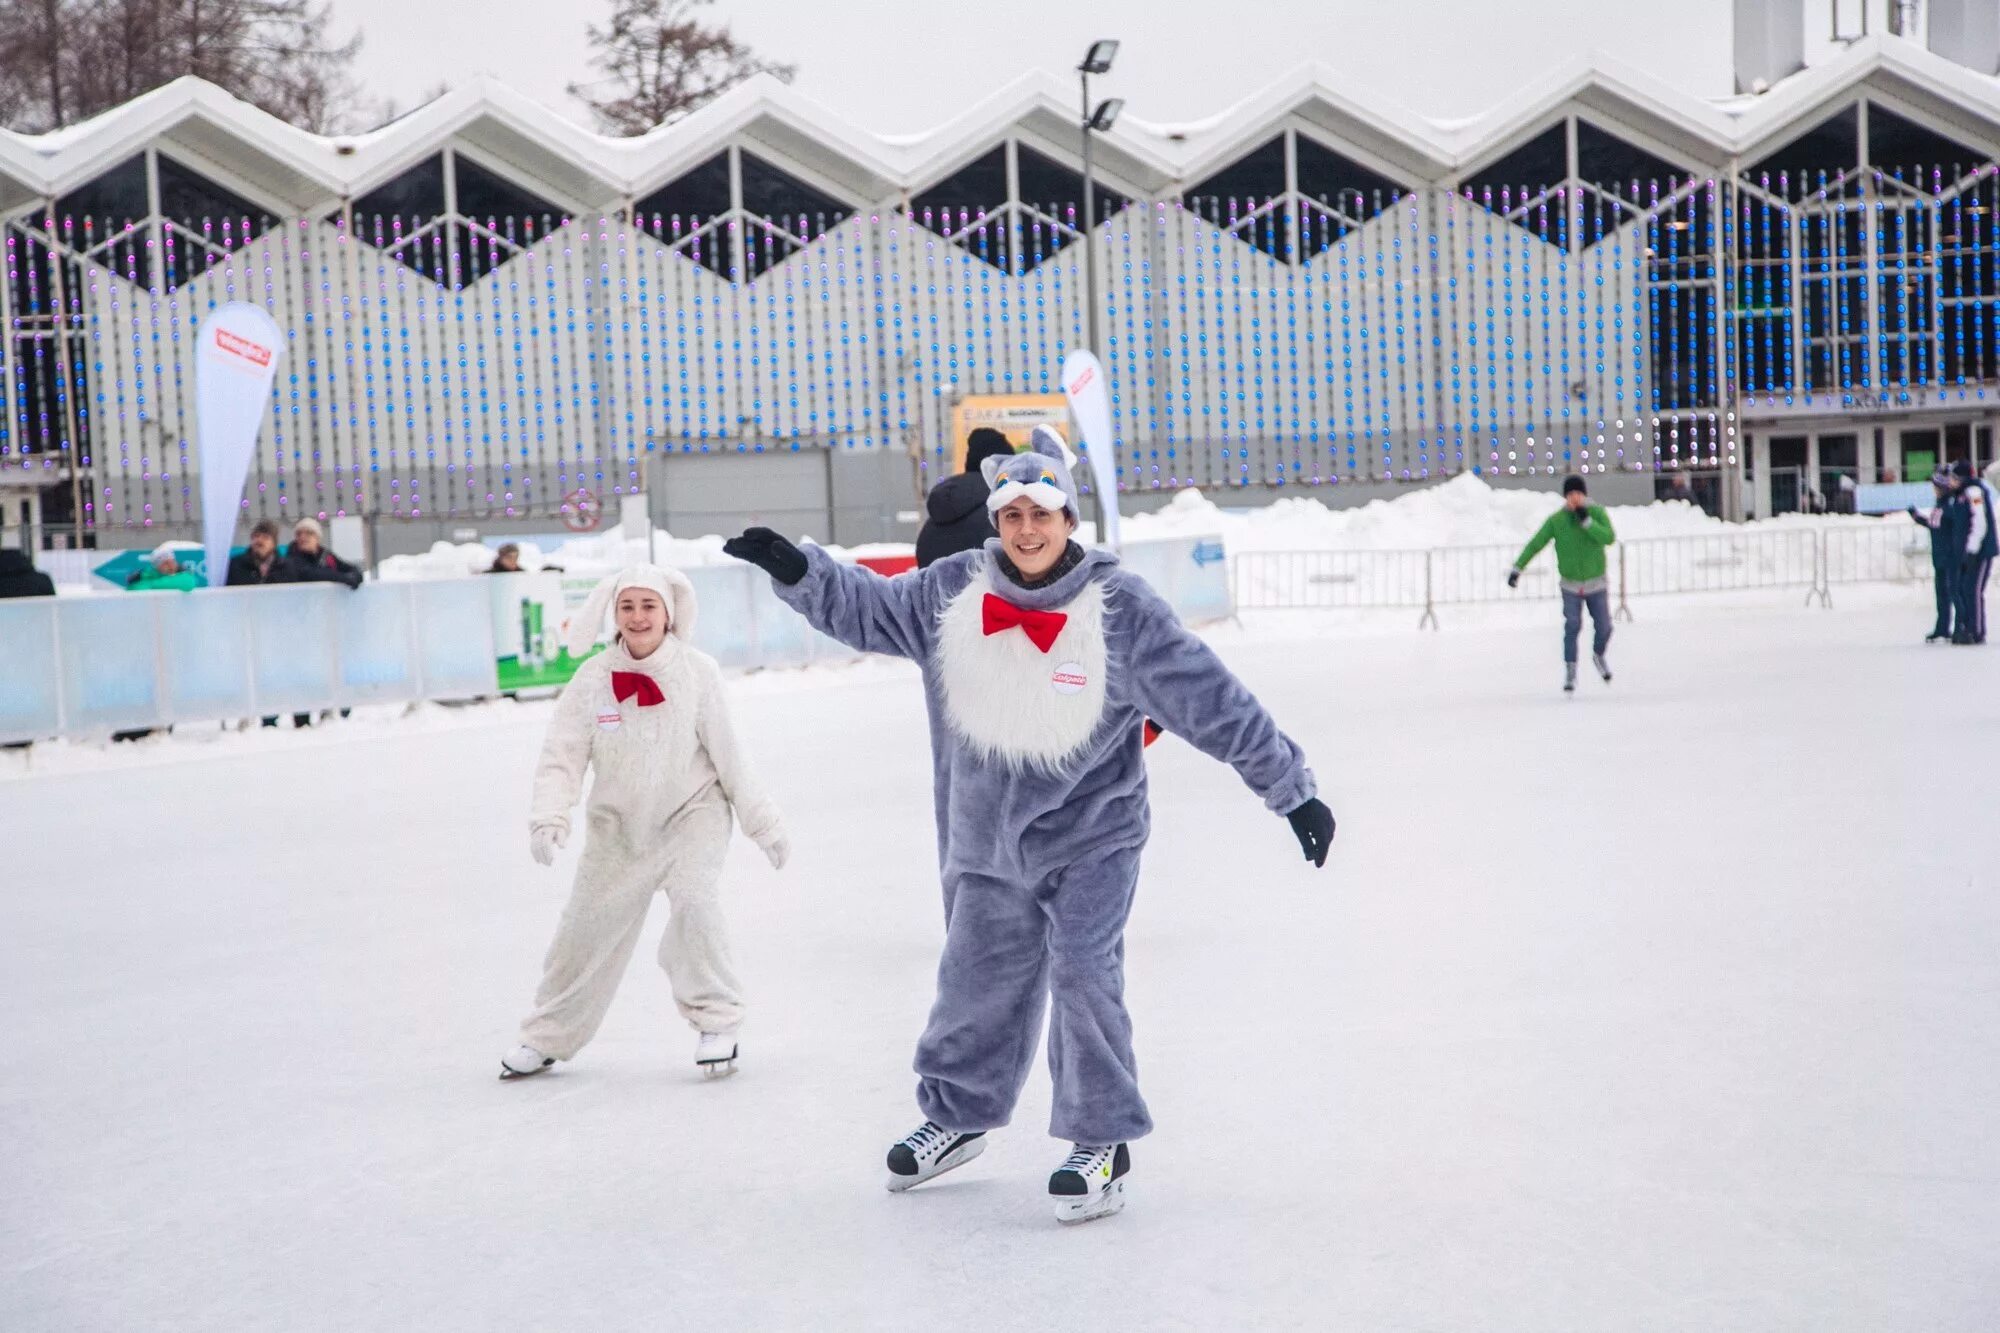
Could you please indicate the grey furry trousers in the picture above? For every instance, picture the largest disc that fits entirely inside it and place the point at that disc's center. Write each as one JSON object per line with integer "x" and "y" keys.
{"x": 615, "y": 884}
{"x": 1009, "y": 948}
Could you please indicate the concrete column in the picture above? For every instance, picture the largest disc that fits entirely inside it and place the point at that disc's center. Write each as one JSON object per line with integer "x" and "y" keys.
{"x": 1760, "y": 462}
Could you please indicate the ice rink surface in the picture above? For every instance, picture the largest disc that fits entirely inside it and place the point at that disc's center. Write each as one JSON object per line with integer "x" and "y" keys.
{"x": 1674, "y": 1006}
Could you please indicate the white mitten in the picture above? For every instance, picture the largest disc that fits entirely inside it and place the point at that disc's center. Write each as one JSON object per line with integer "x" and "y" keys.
{"x": 777, "y": 849}
{"x": 544, "y": 839}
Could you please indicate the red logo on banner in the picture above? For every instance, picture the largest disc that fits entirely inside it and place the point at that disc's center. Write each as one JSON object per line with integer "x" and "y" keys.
{"x": 580, "y": 511}
{"x": 255, "y": 353}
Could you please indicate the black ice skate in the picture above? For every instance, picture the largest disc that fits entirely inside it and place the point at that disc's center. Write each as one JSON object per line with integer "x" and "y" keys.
{"x": 523, "y": 1062}
{"x": 930, "y": 1150}
{"x": 1091, "y": 1183}
{"x": 715, "y": 1054}
{"x": 1603, "y": 667}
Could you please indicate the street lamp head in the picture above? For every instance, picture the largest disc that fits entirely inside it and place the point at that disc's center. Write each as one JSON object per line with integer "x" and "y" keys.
{"x": 1106, "y": 113}
{"x": 1098, "y": 59}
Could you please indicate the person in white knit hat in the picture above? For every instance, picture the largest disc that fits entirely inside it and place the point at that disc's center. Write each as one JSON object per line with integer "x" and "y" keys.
{"x": 649, "y": 716}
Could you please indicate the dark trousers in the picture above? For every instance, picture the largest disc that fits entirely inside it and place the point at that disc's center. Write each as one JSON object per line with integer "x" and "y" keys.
{"x": 1599, "y": 603}
{"x": 1972, "y": 575}
{"x": 1945, "y": 586}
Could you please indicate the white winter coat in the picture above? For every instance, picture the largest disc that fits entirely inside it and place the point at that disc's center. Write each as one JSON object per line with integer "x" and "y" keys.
{"x": 650, "y": 762}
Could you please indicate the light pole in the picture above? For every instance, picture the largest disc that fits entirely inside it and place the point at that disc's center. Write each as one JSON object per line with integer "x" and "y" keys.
{"x": 1097, "y": 60}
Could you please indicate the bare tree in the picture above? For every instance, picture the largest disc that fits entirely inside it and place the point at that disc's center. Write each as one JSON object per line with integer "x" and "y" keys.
{"x": 660, "y": 62}
{"x": 62, "y": 61}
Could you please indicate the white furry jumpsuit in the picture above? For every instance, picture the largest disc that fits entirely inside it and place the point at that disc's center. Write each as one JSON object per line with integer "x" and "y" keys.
{"x": 667, "y": 775}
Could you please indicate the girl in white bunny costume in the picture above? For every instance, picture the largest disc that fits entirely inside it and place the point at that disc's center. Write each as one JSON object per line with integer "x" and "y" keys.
{"x": 648, "y": 715}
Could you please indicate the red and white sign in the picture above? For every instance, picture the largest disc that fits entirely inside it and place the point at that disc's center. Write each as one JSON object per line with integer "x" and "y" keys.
{"x": 1090, "y": 403}
{"x": 580, "y": 512}
{"x": 236, "y": 358}
{"x": 236, "y": 345}
{"x": 1069, "y": 678}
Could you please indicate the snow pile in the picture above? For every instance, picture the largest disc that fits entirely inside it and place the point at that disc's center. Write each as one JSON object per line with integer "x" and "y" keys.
{"x": 593, "y": 556}
{"x": 1463, "y": 511}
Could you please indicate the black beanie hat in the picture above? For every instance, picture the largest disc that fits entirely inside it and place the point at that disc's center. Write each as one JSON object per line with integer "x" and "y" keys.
{"x": 1574, "y": 483}
{"x": 984, "y": 443}
{"x": 1962, "y": 469}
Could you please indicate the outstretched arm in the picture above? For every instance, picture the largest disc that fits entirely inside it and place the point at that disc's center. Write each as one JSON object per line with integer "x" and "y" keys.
{"x": 1179, "y": 680}
{"x": 851, "y": 603}
{"x": 1543, "y": 536}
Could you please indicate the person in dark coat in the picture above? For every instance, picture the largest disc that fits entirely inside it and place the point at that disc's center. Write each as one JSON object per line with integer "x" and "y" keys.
{"x": 260, "y": 563}
{"x": 955, "y": 512}
{"x": 1976, "y": 539}
{"x": 1944, "y": 558}
{"x": 308, "y": 560}
{"x": 20, "y": 578}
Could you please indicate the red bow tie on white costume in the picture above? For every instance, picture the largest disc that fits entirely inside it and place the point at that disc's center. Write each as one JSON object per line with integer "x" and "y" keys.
{"x": 636, "y": 685}
{"x": 1041, "y": 627}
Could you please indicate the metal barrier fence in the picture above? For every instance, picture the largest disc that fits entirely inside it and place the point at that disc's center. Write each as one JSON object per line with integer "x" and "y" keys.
{"x": 1811, "y": 558}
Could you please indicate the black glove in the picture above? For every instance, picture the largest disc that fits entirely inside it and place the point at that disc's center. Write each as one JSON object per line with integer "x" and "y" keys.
{"x": 1513, "y": 578}
{"x": 1914, "y": 514}
{"x": 770, "y": 553}
{"x": 1313, "y": 823}
{"x": 1580, "y": 516}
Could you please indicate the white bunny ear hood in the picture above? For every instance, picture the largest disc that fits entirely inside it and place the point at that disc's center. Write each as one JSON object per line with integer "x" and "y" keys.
{"x": 672, "y": 586}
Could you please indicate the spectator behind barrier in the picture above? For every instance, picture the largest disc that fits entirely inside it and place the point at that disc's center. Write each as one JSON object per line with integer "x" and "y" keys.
{"x": 506, "y": 561}
{"x": 163, "y": 573}
{"x": 261, "y": 563}
{"x": 308, "y": 560}
{"x": 955, "y": 509}
{"x": 20, "y": 578}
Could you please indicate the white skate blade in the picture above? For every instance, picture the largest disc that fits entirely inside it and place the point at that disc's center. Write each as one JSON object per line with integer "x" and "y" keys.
{"x": 714, "y": 1069}
{"x": 957, "y": 1157}
{"x": 1074, "y": 1209}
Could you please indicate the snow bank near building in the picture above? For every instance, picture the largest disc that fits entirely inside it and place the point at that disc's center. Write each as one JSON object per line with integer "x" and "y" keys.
{"x": 1464, "y": 511}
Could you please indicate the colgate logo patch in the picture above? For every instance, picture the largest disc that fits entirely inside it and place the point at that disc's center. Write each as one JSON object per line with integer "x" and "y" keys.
{"x": 1069, "y": 678}
{"x": 256, "y": 354}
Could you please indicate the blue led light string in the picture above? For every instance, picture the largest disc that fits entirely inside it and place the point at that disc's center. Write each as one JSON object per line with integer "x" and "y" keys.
{"x": 1409, "y": 425}
{"x": 1307, "y": 424}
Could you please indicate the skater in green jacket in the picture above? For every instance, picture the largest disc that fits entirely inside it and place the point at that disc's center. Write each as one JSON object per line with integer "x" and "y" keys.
{"x": 1581, "y": 532}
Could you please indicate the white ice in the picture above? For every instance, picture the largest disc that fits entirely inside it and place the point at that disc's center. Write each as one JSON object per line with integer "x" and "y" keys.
{"x": 1672, "y": 1006}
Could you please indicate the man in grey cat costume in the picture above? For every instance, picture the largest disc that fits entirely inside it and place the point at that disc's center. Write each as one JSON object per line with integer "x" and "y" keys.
{"x": 1040, "y": 660}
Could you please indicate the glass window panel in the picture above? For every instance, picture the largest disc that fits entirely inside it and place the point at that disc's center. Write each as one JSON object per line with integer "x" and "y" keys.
{"x": 1258, "y": 174}
{"x": 1822, "y": 153}
{"x": 693, "y": 198}
{"x": 788, "y": 201}
{"x": 486, "y": 197}
{"x": 405, "y": 203}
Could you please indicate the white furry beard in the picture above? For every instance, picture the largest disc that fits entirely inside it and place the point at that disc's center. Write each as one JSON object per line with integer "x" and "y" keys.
{"x": 1001, "y": 693}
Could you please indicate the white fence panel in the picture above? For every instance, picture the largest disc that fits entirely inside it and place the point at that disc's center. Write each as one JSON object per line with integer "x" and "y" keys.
{"x": 293, "y": 651}
{"x": 30, "y": 704}
{"x": 110, "y": 661}
{"x": 456, "y": 658}
{"x": 377, "y": 645}
{"x": 205, "y": 654}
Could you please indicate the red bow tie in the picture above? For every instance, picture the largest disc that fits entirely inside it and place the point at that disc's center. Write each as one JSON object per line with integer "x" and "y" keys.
{"x": 636, "y": 685}
{"x": 1041, "y": 627}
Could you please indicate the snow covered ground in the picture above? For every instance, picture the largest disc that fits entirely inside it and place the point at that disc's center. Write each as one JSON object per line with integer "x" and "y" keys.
{"x": 1668, "y": 1007}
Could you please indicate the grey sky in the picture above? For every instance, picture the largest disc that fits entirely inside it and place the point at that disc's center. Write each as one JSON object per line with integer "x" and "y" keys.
{"x": 897, "y": 66}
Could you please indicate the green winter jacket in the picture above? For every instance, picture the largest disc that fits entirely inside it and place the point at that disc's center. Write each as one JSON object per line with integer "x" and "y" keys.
{"x": 152, "y": 580}
{"x": 1579, "y": 546}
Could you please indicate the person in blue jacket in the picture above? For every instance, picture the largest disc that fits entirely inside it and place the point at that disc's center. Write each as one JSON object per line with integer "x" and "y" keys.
{"x": 1944, "y": 558}
{"x": 1039, "y": 659}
